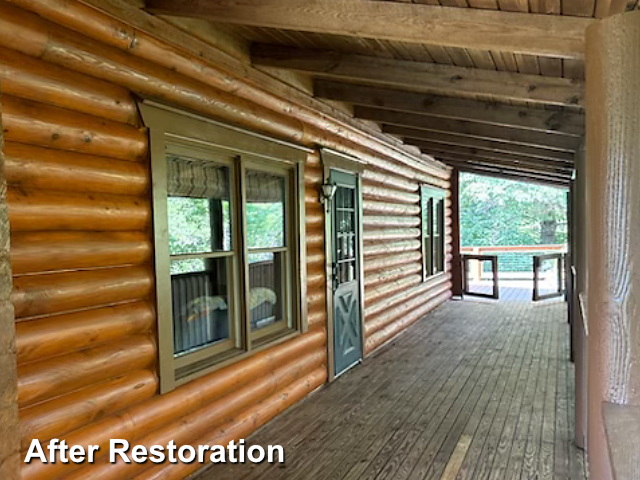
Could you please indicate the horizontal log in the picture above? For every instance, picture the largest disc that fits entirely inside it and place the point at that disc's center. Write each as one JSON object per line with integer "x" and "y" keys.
{"x": 200, "y": 86}
{"x": 59, "y": 334}
{"x": 64, "y": 414}
{"x": 422, "y": 77}
{"x": 193, "y": 396}
{"x": 317, "y": 319}
{"x": 369, "y": 221}
{"x": 162, "y": 410}
{"x": 35, "y": 252}
{"x": 380, "y": 312}
{"x": 245, "y": 423}
{"x": 387, "y": 234}
{"x": 37, "y": 211}
{"x": 370, "y": 176}
{"x": 311, "y": 194}
{"x": 36, "y": 123}
{"x": 40, "y": 168}
{"x": 406, "y": 310}
{"x": 313, "y": 176}
{"x": 385, "y": 262}
{"x": 387, "y": 288}
{"x": 493, "y": 113}
{"x": 371, "y": 206}
{"x": 389, "y": 331}
{"x": 387, "y": 194}
{"x": 388, "y": 248}
{"x": 61, "y": 292}
{"x": 189, "y": 429}
{"x": 27, "y": 77}
{"x": 38, "y": 381}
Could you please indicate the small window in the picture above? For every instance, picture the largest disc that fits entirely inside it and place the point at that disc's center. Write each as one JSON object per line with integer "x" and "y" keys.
{"x": 228, "y": 211}
{"x": 432, "y": 205}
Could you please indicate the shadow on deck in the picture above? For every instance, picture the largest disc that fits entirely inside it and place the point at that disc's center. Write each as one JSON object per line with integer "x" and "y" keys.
{"x": 473, "y": 391}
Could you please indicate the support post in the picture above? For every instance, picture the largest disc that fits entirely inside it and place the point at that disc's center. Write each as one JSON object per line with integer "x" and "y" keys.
{"x": 456, "y": 260}
{"x": 9, "y": 427}
{"x": 579, "y": 324}
{"x": 613, "y": 186}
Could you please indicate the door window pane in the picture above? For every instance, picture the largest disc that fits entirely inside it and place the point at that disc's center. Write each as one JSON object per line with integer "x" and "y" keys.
{"x": 200, "y": 297}
{"x": 266, "y": 288}
{"x": 265, "y": 210}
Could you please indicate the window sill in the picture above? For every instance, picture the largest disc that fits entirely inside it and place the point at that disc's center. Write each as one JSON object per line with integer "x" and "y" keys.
{"x": 435, "y": 276}
{"x": 233, "y": 356}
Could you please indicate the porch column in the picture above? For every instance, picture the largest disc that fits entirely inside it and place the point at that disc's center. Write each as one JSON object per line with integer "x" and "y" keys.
{"x": 9, "y": 428}
{"x": 456, "y": 266}
{"x": 613, "y": 192}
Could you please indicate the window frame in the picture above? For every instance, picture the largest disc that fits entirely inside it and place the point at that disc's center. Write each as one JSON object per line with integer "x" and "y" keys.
{"x": 433, "y": 262}
{"x": 172, "y": 129}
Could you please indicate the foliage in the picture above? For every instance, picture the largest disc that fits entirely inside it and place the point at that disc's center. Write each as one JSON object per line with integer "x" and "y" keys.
{"x": 496, "y": 211}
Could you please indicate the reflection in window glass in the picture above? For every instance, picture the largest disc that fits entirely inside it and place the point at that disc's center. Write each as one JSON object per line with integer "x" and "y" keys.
{"x": 197, "y": 206}
{"x": 200, "y": 303}
{"x": 266, "y": 280}
{"x": 265, "y": 210}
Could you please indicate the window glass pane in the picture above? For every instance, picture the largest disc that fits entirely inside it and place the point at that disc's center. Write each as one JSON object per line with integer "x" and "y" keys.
{"x": 265, "y": 196}
{"x": 266, "y": 281}
{"x": 200, "y": 298}
{"x": 197, "y": 206}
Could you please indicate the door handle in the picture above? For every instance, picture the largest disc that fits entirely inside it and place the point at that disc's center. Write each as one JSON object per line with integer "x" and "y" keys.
{"x": 334, "y": 276}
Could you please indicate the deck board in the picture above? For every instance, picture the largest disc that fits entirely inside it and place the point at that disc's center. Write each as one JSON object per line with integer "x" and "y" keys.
{"x": 476, "y": 390}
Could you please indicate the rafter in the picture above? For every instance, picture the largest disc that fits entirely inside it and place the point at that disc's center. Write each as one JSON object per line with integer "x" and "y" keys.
{"x": 422, "y": 77}
{"x": 490, "y": 132}
{"x": 479, "y": 162}
{"x": 493, "y": 113}
{"x": 517, "y": 176}
{"x": 410, "y": 135}
{"x": 436, "y": 148}
{"x": 501, "y": 162}
{"x": 545, "y": 35}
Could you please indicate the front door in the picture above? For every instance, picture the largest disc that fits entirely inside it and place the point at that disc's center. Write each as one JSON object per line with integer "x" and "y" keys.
{"x": 345, "y": 231}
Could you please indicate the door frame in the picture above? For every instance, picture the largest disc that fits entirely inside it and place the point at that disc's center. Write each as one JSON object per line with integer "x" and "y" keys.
{"x": 333, "y": 160}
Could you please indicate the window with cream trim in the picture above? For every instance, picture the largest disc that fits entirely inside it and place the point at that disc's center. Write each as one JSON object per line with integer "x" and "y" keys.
{"x": 228, "y": 209}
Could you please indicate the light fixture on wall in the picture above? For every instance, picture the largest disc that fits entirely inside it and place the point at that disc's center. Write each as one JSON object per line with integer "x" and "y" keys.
{"x": 327, "y": 192}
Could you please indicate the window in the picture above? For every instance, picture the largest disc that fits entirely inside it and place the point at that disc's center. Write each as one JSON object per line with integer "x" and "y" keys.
{"x": 432, "y": 204}
{"x": 228, "y": 211}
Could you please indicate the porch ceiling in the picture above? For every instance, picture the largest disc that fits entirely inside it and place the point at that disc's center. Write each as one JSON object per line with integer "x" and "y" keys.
{"x": 494, "y": 87}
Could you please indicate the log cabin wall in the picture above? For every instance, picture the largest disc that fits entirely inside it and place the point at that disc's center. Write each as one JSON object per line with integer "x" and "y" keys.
{"x": 77, "y": 168}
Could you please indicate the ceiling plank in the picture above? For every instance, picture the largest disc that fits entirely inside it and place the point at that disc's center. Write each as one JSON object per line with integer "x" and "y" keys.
{"x": 493, "y": 113}
{"x": 438, "y": 147}
{"x": 421, "y": 76}
{"x": 524, "y": 33}
{"x": 410, "y": 134}
{"x": 490, "y": 132}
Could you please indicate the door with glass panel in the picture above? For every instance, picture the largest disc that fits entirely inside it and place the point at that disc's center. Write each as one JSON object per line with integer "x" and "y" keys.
{"x": 345, "y": 229}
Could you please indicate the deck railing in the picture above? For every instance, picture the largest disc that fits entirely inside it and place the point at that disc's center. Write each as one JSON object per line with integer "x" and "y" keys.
{"x": 515, "y": 259}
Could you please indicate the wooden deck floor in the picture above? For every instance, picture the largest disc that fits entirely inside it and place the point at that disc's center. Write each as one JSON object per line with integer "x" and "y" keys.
{"x": 473, "y": 391}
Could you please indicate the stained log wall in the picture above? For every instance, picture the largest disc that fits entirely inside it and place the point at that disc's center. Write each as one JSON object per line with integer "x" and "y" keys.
{"x": 76, "y": 163}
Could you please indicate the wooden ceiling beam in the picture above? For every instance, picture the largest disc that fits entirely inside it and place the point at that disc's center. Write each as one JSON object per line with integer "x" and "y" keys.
{"x": 505, "y": 163}
{"x": 409, "y": 135}
{"x": 490, "y": 132}
{"x": 524, "y": 33}
{"x": 422, "y": 76}
{"x": 487, "y": 164}
{"x": 519, "y": 177}
{"x": 493, "y": 113}
{"x": 434, "y": 148}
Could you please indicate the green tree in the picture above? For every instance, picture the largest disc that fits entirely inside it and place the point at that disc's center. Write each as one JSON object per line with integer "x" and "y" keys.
{"x": 496, "y": 211}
